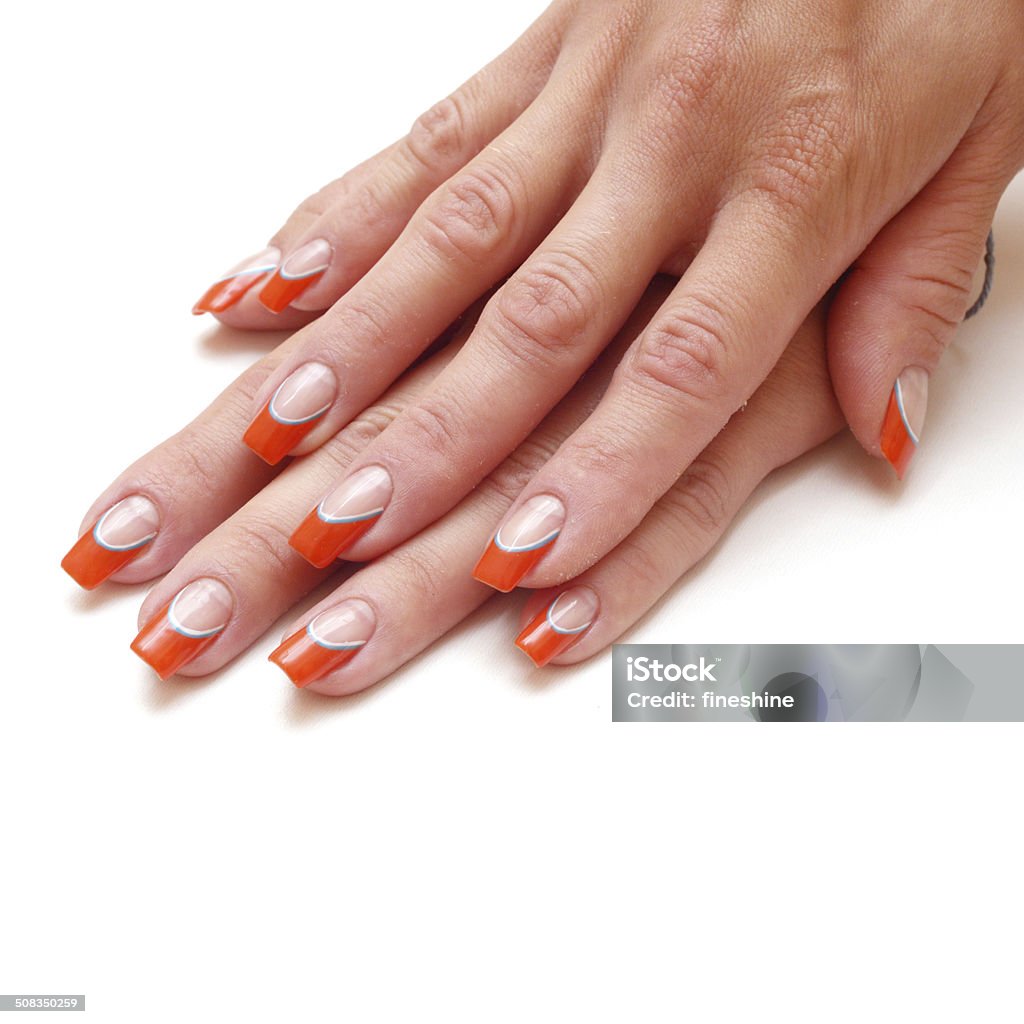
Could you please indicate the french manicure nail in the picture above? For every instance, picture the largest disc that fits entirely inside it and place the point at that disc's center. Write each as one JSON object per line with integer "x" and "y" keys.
{"x": 904, "y": 418}
{"x": 184, "y": 627}
{"x": 122, "y": 533}
{"x": 558, "y": 626}
{"x": 520, "y": 542}
{"x": 228, "y": 290}
{"x": 292, "y": 412}
{"x": 302, "y": 269}
{"x": 343, "y": 516}
{"x": 326, "y": 643}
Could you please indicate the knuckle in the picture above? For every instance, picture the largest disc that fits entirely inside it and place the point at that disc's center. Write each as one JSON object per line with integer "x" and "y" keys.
{"x": 472, "y": 215}
{"x": 685, "y": 351}
{"x": 519, "y": 468}
{"x": 361, "y": 317}
{"x": 374, "y": 201}
{"x": 259, "y": 541}
{"x": 418, "y": 571}
{"x": 436, "y": 428}
{"x": 806, "y": 152}
{"x": 701, "y": 497}
{"x": 546, "y": 306}
{"x": 643, "y": 565}
{"x": 689, "y": 73}
{"x": 437, "y": 136}
{"x": 195, "y": 464}
{"x": 359, "y": 434}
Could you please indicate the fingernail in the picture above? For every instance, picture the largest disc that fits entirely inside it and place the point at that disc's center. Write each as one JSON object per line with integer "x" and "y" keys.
{"x": 302, "y": 269}
{"x": 326, "y": 643}
{"x": 122, "y": 533}
{"x": 185, "y": 627}
{"x": 904, "y": 418}
{"x": 343, "y": 516}
{"x": 226, "y": 291}
{"x": 520, "y": 542}
{"x": 292, "y": 412}
{"x": 557, "y": 627}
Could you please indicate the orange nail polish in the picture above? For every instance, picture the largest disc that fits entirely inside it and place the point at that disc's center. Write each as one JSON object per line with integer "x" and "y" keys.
{"x": 343, "y": 516}
{"x": 520, "y": 542}
{"x": 122, "y": 533}
{"x": 228, "y": 290}
{"x": 292, "y": 412}
{"x": 904, "y": 418}
{"x": 558, "y": 626}
{"x": 184, "y": 627}
{"x": 301, "y": 270}
{"x": 327, "y": 642}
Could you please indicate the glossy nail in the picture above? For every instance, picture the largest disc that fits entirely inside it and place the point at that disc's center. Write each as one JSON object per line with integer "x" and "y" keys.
{"x": 301, "y": 270}
{"x": 229, "y": 289}
{"x": 185, "y": 627}
{"x": 326, "y": 643}
{"x": 904, "y": 418}
{"x": 343, "y": 516}
{"x": 521, "y": 542}
{"x": 558, "y": 626}
{"x": 122, "y": 533}
{"x": 292, "y": 412}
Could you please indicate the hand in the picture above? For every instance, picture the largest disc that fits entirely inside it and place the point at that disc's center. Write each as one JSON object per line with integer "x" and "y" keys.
{"x": 243, "y": 575}
{"x": 764, "y": 148}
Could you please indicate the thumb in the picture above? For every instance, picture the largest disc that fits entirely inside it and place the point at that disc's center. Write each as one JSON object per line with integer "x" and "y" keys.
{"x": 898, "y": 308}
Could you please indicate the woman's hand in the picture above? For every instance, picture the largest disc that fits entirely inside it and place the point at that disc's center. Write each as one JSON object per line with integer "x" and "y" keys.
{"x": 243, "y": 575}
{"x": 766, "y": 147}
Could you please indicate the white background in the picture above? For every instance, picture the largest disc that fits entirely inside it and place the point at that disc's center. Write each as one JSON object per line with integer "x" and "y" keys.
{"x": 472, "y": 840}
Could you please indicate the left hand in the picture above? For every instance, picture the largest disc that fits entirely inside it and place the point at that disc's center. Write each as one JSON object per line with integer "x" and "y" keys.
{"x": 766, "y": 148}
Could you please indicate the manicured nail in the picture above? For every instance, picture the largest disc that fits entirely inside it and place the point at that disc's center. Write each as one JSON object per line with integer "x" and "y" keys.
{"x": 229, "y": 289}
{"x": 520, "y": 543}
{"x": 185, "y": 627}
{"x": 292, "y": 412}
{"x": 326, "y": 643}
{"x": 343, "y": 516}
{"x": 122, "y": 533}
{"x": 302, "y": 269}
{"x": 901, "y": 431}
{"x": 557, "y": 627}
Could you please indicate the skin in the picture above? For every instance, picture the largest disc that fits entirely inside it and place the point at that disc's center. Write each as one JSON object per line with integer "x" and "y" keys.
{"x": 757, "y": 150}
{"x": 743, "y": 143}
{"x": 423, "y": 588}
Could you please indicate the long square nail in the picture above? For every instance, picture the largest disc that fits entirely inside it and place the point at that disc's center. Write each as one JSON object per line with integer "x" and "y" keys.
{"x": 184, "y": 627}
{"x": 300, "y": 271}
{"x": 292, "y": 411}
{"x": 343, "y": 516}
{"x": 558, "y": 625}
{"x": 327, "y": 642}
{"x": 228, "y": 290}
{"x": 521, "y": 542}
{"x": 121, "y": 534}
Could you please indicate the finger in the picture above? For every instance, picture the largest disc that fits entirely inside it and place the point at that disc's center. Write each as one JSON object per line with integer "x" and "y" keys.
{"x": 399, "y": 604}
{"x": 701, "y": 357}
{"x": 537, "y": 336}
{"x": 241, "y": 576}
{"x": 792, "y": 412}
{"x": 336, "y": 235}
{"x": 899, "y": 308}
{"x": 175, "y": 494}
{"x": 472, "y": 232}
